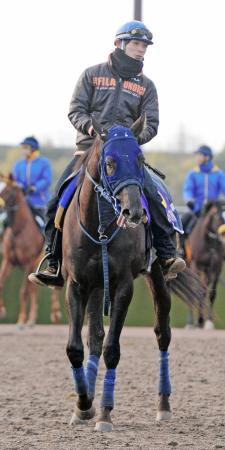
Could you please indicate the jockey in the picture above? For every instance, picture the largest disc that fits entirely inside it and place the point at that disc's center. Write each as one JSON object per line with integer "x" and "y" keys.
{"x": 34, "y": 174}
{"x": 204, "y": 182}
{"x": 116, "y": 92}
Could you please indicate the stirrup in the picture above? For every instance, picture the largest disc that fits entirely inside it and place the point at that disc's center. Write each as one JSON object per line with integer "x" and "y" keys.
{"x": 38, "y": 270}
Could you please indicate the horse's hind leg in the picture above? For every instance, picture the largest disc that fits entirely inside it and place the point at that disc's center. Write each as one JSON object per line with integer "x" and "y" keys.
{"x": 162, "y": 305}
{"x": 76, "y": 303}
{"x": 4, "y": 272}
{"x": 95, "y": 338}
{"x": 55, "y": 314}
{"x": 111, "y": 352}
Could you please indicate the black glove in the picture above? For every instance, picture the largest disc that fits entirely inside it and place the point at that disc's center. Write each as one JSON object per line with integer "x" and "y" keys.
{"x": 30, "y": 189}
{"x": 191, "y": 204}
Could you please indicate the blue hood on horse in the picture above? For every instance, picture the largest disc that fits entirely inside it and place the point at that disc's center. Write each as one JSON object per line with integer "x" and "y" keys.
{"x": 126, "y": 158}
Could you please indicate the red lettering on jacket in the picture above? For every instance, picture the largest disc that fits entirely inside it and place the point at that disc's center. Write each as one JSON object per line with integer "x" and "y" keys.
{"x": 103, "y": 81}
{"x": 134, "y": 87}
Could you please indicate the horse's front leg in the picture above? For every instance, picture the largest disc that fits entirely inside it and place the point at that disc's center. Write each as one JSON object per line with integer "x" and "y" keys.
{"x": 162, "y": 305}
{"x": 76, "y": 301}
{"x": 120, "y": 304}
{"x": 209, "y": 325}
{"x": 95, "y": 338}
{"x": 24, "y": 296}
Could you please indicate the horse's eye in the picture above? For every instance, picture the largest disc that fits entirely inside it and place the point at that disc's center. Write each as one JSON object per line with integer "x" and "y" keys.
{"x": 141, "y": 160}
{"x": 110, "y": 165}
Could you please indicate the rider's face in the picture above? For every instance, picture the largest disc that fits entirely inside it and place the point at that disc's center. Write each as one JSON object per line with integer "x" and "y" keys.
{"x": 136, "y": 49}
{"x": 27, "y": 150}
{"x": 200, "y": 158}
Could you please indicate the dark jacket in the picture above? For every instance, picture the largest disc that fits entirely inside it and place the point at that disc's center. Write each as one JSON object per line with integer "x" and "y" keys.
{"x": 112, "y": 100}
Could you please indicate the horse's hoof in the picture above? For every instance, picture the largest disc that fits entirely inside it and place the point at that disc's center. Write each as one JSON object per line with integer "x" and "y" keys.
{"x": 104, "y": 426}
{"x": 163, "y": 416}
{"x": 30, "y": 323}
{"x": 209, "y": 325}
{"x": 190, "y": 326}
{"x": 80, "y": 417}
{"x": 20, "y": 326}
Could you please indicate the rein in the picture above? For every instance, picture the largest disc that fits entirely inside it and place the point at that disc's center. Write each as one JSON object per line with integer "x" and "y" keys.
{"x": 103, "y": 239}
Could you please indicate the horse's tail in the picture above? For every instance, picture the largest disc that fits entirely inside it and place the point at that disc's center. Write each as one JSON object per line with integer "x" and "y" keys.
{"x": 188, "y": 287}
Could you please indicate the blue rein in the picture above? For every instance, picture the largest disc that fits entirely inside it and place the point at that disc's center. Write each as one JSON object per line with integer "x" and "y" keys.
{"x": 103, "y": 240}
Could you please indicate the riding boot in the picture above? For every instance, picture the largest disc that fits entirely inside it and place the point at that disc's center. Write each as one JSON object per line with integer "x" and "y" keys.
{"x": 51, "y": 276}
{"x": 163, "y": 232}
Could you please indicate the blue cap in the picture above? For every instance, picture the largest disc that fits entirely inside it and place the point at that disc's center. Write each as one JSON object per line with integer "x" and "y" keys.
{"x": 32, "y": 141}
{"x": 134, "y": 30}
{"x": 205, "y": 150}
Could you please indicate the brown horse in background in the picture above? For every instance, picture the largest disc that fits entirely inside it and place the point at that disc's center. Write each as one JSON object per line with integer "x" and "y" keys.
{"x": 205, "y": 256}
{"x": 22, "y": 245}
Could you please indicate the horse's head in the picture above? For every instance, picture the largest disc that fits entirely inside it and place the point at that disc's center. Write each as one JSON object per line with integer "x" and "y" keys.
{"x": 9, "y": 191}
{"x": 212, "y": 213}
{"x": 122, "y": 170}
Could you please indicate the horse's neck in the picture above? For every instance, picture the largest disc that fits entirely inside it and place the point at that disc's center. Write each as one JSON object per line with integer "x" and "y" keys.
{"x": 200, "y": 232}
{"x": 22, "y": 215}
{"x": 88, "y": 198}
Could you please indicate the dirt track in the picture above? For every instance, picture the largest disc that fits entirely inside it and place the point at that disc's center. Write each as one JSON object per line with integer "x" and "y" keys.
{"x": 37, "y": 392}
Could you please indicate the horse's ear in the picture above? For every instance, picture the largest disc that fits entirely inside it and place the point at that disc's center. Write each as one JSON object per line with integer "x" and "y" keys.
{"x": 11, "y": 177}
{"x": 101, "y": 131}
{"x": 139, "y": 125}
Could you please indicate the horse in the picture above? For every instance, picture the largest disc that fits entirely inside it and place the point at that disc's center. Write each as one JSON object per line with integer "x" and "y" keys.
{"x": 205, "y": 256}
{"x": 98, "y": 261}
{"x": 22, "y": 244}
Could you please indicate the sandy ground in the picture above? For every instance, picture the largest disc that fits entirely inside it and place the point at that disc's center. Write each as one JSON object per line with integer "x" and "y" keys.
{"x": 37, "y": 396}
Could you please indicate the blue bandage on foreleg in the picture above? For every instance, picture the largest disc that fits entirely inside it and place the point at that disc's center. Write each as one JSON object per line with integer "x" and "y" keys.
{"x": 164, "y": 376}
{"x": 80, "y": 380}
{"x": 91, "y": 374}
{"x": 108, "y": 389}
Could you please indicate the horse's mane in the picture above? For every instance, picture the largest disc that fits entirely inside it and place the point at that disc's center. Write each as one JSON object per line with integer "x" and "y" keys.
{"x": 85, "y": 158}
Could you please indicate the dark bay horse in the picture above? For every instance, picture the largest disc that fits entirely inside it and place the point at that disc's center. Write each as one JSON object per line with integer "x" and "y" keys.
{"x": 115, "y": 162}
{"x": 205, "y": 256}
{"x": 22, "y": 245}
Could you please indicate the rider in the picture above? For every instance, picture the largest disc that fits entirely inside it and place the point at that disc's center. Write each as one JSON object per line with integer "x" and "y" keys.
{"x": 116, "y": 92}
{"x": 204, "y": 182}
{"x": 34, "y": 174}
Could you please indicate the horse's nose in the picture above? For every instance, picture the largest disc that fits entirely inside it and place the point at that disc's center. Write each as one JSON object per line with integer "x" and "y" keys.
{"x": 133, "y": 215}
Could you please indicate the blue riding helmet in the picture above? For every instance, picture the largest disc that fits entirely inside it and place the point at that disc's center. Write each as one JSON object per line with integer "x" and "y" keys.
{"x": 32, "y": 141}
{"x": 134, "y": 30}
{"x": 123, "y": 148}
{"x": 205, "y": 150}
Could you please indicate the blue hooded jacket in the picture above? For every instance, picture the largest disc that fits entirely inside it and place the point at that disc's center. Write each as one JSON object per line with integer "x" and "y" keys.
{"x": 36, "y": 172}
{"x": 204, "y": 182}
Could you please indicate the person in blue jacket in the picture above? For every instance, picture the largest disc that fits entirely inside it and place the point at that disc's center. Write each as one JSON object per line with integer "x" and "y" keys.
{"x": 204, "y": 182}
{"x": 34, "y": 173}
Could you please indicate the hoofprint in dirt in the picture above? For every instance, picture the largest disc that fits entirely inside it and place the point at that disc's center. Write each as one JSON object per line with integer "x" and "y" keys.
{"x": 37, "y": 394}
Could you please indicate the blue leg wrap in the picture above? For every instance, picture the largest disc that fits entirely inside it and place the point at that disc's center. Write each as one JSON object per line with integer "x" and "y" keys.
{"x": 164, "y": 377}
{"x": 108, "y": 389}
{"x": 80, "y": 380}
{"x": 91, "y": 374}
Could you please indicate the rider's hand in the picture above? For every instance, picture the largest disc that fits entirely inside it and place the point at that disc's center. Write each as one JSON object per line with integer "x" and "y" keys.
{"x": 31, "y": 189}
{"x": 191, "y": 204}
